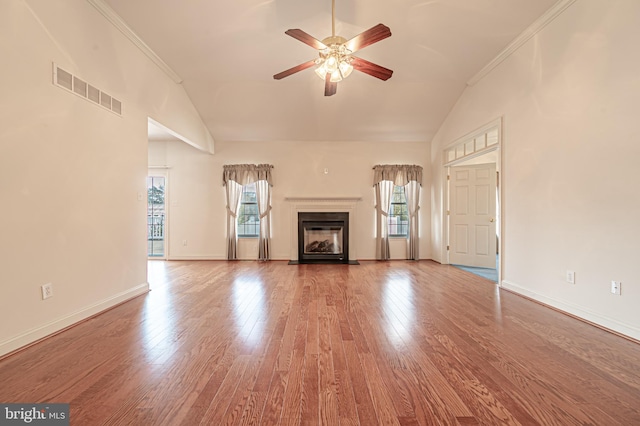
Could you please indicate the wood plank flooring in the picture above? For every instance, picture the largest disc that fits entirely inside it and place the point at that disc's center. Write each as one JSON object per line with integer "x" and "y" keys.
{"x": 388, "y": 343}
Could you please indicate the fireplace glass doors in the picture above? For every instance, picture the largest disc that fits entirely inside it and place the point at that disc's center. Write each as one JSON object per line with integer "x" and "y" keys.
{"x": 323, "y": 237}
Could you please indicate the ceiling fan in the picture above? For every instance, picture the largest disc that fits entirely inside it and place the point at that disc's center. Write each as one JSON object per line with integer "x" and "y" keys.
{"x": 336, "y": 60}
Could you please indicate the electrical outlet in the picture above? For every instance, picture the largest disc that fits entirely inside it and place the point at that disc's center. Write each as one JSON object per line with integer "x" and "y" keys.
{"x": 616, "y": 287}
{"x": 571, "y": 277}
{"x": 184, "y": 242}
{"x": 47, "y": 291}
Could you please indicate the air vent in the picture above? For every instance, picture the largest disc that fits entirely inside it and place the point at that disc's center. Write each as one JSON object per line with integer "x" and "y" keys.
{"x": 64, "y": 79}
{"x": 80, "y": 87}
{"x": 105, "y": 100}
{"x": 75, "y": 85}
{"x": 94, "y": 94}
{"x": 116, "y": 106}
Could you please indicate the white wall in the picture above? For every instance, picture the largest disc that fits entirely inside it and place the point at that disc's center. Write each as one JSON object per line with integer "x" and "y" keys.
{"x": 197, "y": 198}
{"x": 569, "y": 98}
{"x": 71, "y": 172}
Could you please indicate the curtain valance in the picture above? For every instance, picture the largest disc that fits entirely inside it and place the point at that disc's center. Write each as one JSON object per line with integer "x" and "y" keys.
{"x": 247, "y": 173}
{"x": 399, "y": 174}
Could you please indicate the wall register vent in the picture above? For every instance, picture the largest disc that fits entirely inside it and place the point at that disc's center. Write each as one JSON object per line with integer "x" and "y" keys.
{"x": 73, "y": 84}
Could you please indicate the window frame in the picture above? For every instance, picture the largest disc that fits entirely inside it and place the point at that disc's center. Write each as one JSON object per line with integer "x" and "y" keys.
{"x": 248, "y": 189}
{"x": 404, "y": 211}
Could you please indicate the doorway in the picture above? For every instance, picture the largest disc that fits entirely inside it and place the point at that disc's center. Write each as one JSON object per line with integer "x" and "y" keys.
{"x": 472, "y": 225}
{"x": 156, "y": 217}
{"x": 473, "y": 218}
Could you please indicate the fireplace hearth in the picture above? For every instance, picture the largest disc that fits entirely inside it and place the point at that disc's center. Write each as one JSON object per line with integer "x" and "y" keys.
{"x": 323, "y": 237}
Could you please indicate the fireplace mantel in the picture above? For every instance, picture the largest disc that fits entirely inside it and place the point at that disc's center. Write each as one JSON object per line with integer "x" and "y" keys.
{"x": 323, "y": 204}
{"x": 324, "y": 199}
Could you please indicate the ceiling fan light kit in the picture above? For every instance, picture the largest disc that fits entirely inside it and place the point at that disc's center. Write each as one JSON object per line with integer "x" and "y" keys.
{"x": 335, "y": 60}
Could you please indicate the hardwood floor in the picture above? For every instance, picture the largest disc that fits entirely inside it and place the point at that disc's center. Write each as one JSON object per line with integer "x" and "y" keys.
{"x": 389, "y": 343}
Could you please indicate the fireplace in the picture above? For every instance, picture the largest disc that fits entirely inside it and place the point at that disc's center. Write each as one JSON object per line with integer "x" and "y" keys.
{"x": 323, "y": 237}
{"x": 335, "y": 208}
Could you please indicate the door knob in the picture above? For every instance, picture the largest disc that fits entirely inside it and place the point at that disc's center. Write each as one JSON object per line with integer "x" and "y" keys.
{"x": 491, "y": 220}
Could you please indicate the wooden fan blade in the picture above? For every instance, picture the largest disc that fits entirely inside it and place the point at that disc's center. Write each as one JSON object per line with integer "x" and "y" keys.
{"x": 306, "y": 38}
{"x": 330, "y": 88}
{"x": 370, "y": 68}
{"x": 294, "y": 70}
{"x": 372, "y": 35}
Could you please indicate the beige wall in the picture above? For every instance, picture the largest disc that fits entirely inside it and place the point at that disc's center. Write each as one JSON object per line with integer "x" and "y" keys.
{"x": 197, "y": 200}
{"x": 569, "y": 98}
{"x": 71, "y": 172}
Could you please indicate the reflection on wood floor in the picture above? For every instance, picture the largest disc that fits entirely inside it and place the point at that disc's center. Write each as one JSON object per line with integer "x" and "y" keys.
{"x": 389, "y": 343}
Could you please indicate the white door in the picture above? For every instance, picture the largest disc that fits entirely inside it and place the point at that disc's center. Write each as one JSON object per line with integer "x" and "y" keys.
{"x": 472, "y": 215}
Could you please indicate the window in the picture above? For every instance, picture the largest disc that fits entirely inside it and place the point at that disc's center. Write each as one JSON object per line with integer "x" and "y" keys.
{"x": 398, "y": 213}
{"x": 248, "y": 216}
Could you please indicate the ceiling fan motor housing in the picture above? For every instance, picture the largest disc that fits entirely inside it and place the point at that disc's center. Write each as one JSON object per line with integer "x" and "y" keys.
{"x": 329, "y": 41}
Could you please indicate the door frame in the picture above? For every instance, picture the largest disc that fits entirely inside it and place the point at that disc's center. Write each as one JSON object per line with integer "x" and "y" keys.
{"x": 162, "y": 171}
{"x": 445, "y": 171}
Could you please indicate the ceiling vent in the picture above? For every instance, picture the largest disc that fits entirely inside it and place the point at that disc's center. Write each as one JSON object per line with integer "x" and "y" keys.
{"x": 75, "y": 85}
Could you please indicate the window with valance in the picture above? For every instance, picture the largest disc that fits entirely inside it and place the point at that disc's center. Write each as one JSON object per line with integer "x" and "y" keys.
{"x": 237, "y": 178}
{"x": 386, "y": 178}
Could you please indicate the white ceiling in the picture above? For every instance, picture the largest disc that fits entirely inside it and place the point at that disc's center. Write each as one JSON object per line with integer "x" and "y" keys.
{"x": 226, "y": 53}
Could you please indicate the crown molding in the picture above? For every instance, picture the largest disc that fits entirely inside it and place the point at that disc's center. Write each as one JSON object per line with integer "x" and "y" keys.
{"x": 122, "y": 26}
{"x": 527, "y": 34}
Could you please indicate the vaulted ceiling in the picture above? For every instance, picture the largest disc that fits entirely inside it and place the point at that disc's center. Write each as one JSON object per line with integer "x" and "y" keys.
{"x": 226, "y": 53}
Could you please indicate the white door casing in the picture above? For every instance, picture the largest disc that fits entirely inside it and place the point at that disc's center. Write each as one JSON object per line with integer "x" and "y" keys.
{"x": 472, "y": 216}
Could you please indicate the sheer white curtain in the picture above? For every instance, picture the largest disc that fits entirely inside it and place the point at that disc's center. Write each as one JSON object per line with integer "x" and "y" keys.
{"x": 412, "y": 194}
{"x": 234, "y": 177}
{"x": 384, "y": 193}
{"x": 263, "y": 193}
{"x": 234, "y": 191}
{"x": 385, "y": 177}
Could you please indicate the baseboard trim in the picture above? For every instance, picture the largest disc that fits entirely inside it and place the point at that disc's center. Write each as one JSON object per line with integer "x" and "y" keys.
{"x": 597, "y": 320}
{"x": 285, "y": 258}
{"x": 197, "y": 258}
{"x": 42, "y": 332}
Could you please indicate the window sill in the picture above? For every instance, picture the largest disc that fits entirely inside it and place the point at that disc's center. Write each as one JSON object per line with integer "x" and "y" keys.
{"x": 248, "y": 237}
